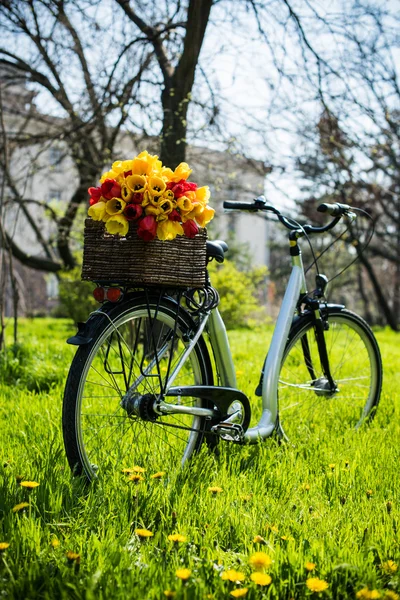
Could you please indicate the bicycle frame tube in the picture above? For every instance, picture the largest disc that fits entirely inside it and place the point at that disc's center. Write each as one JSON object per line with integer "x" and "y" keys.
{"x": 224, "y": 361}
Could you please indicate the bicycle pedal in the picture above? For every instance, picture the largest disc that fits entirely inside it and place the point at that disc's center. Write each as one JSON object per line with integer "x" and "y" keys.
{"x": 230, "y": 432}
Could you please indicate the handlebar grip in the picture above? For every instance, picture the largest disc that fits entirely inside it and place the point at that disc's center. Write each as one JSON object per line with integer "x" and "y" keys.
{"x": 240, "y": 205}
{"x": 335, "y": 210}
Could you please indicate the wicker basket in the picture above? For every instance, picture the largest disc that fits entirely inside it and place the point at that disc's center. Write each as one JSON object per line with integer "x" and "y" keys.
{"x": 176, "y": 263}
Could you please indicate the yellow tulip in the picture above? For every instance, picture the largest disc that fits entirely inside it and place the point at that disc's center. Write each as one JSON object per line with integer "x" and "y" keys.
{"x": 122, "y": 166}
{"x": 126, "y": 193}
{"x": 117, "y": 225}
{"x": 141, "y": 167}
{"x": 205, "y": 217}
{"x": 156, "y": 185}
{"x": 115, "y": 206}
{"x": 109, "y": 175}
{"x": 168, "y": 230}
{"x": 182, "y": 171}
{"x": 97, "y": 211}
{"x": 136, "y": 183}
{"x": 151, "y": 159}
{"x": 194, "y": 213}
{"x": 166, "y": 206}
{"x": 167, "y": 173}
{"x": 169, "y": 195}
{"x": 203, "y": 194}
{"x": 150, "y": 209}
{"x": 184, "y": 205}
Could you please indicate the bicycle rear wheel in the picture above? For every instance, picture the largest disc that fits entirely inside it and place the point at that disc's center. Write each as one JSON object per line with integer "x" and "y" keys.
{"x": 304, "y": 398}
{"x": 136, "y": 347}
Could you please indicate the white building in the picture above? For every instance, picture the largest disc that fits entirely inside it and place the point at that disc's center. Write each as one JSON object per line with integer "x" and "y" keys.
{"x": 44, "y": 174}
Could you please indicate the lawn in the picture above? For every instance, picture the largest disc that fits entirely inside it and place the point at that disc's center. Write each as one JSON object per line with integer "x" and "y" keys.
{"x": 322, "y": 509}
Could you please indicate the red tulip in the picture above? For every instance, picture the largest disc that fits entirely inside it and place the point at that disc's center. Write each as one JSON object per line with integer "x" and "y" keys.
{"x": 95, "y": 194}
{"x": 133, "y": 212}
{"x": 147, "y": 228}
{"x": 190, "y": 228}
{"x": 174, "y": 215}
{"x": 137, "y": 197}
{"x": 110, "y": 189}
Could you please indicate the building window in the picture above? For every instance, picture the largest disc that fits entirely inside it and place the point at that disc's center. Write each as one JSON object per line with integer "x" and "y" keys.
{"x": 55, "y": 158}
{"x": 54, "y": 196}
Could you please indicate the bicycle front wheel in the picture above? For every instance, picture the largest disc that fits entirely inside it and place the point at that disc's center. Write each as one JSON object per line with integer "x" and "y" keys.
{"x": 305, "y": 399}
{"x": 136, "y": 348}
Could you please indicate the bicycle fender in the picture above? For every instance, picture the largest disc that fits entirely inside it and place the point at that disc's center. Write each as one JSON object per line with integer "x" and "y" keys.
{"x": 296, "y": 320}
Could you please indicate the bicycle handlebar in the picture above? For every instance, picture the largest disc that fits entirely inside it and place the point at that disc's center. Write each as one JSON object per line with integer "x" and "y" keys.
{"x": 335, "y": 210}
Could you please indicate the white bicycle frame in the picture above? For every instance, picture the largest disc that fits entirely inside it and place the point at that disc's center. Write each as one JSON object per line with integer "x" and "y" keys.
{"x": 224, "y": 361}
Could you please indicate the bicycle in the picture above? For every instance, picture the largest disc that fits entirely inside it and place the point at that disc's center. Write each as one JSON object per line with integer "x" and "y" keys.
{"x": 141, "y": 394}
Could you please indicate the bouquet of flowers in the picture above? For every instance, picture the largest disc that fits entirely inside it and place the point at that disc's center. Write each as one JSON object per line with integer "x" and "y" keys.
{"x": 161, "y": 201}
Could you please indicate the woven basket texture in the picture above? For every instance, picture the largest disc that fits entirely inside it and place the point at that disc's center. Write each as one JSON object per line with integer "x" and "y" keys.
{"x": 130, "y": 260}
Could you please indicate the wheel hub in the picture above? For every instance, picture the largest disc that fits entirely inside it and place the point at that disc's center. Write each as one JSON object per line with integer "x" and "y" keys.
{"x": 141, "y": 406}
{"x": 322, "y": 387}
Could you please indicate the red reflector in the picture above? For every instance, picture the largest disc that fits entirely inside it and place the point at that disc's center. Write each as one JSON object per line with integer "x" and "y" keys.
{"x": 113, "y": 294}
{"x": 98, "y": 294}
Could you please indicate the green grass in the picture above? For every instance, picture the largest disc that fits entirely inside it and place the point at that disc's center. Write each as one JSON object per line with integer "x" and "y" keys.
{"x": 344, "y": 518}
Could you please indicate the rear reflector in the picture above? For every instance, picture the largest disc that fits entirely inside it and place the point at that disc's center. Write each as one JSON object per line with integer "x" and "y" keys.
{"x": 99, "y": 294}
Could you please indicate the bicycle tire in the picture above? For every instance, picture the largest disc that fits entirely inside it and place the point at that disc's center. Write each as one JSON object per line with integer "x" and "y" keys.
{"x": 356, "y": 367}
{"x": 99, "y": 435}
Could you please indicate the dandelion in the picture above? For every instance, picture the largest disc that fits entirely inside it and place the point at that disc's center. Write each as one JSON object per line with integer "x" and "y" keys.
{"x": 306, "y": 487}
{"x": 29, "y": 485}
{"x": 260, "y": 561}
{"x": 246, "y": 497}
{"x": 332, "y": 466}
{"x": 183, "y": 574}
{"x": 389, "y": 567}
{"x": 239, "y": 593}
{"x": 261, "y": 578}
{"x": 4, "y": 546}
{"x": 317, "y": 585}
{"x": 176, "y": 538}
{"x": 310, "y": 566}
{"x": 144, "y": 533}
{"x": 136, "y": 478}
{"x": 55, "y": 543}
{"x": 169, "y": 594}
{"x": 232, "y": 575}
{"x": 258, "y": 539}
{"x": 130, "y": 470}
{"x": 215, "y": 490}
{"x": 391, "y": 595}
{"x": 18, "y": 507}
{"x": 369, "y": 493}
{"x": 73, "y": 557}
{"x": 157, "y": 475}
{"x": 347, "y": 464}
{"x": 366, "y": 594}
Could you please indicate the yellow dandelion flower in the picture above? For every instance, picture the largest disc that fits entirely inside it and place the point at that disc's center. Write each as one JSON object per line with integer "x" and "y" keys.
{"x": 183, "y": 574}
{"x": 136, "y": 478}
{"x": 73, "y": 556}
{"x": 332, "y": 466}
{"x": 261, "y": 578}
{"x": 177, "y": 537}
{"x": 369, "y": 493}
{"x": 134, "y": 469}
{"x": 169, "y": 594}
{"x": 157, "y": 475}
{"x": 258, "y": 539}
{"x": 260, "y": 560}
{"x": 4, "y": 546}
{"x": 375, "y": 595}
{"x": 246, "y": 497}
{"x": 391, "y": 595}
{"x": 310, "y": 566}
{"x": 232, "y": 575}
{"x": 55, "y": 542}
{"x": 389, "y": 567}
{"x": 20, "y": 506}
{"x": 239, "y": 593}
{"x": 215, "y": 489}
{"x": 306, "y": 487}
{"x": 317, "y": 585}
{"x": 29, "y": 485}
{"x": 366, "y": 594}
{"x": 144, "y": 533}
